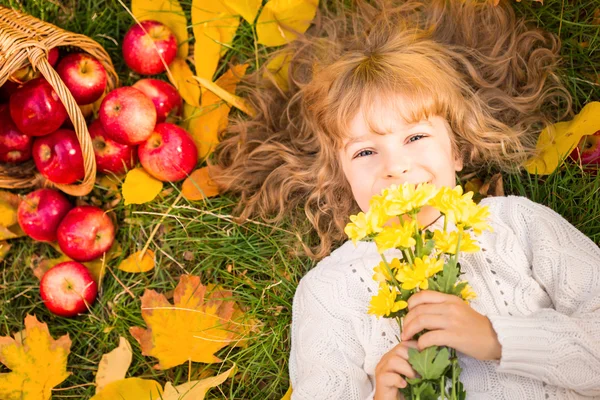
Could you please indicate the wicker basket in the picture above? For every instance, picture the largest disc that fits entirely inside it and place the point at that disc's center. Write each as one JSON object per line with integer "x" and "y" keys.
{"x": 26, "y": 40}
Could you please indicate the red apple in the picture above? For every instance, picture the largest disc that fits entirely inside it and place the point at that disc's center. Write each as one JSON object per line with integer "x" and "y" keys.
{"x": 15, "y": 146}
{"x": 58, "y": 157}
{"x": 128, "y": 116}
{"x": 68, "y": 288}
{"x": 165, "y": 97}
{"x": 169, "y": 154}
{"x": 85, "y": 233}
{"x": 40, "y": 212}
{"x": 53, "y": 55}
{"x": 145, "y": 43}
{"x": 36, "y": 109}
{"x": 111, "y": 157}
{"x": 84, "y": 76}
{"x": 588, "y": 149}
{"x": 7, "y": 90}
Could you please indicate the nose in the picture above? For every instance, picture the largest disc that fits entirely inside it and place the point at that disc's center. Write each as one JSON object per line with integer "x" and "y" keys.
{"x": 396, "y": 165}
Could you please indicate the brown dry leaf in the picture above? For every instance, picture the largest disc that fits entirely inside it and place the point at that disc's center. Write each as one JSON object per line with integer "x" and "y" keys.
{"x": 205, "y": 123}
{"x": 494, "y": 187}
{"x": 182, "y": 75}
{"x": 113, "y": 365}
{"x": 214, "y": 27}
{"x": 139, "y": 187}
{"x": 130, "y": 389}
{"x": 37, "y": 363}
{"x": 194, "y": 328}
{"x": 198, "y": 185}
{"x": 557, "y": 141}
{"x": 279, "y": 20}
{"x": 135, "y": 263}
{"x": 170, "y": 13}
{"x": 195, "y": 390}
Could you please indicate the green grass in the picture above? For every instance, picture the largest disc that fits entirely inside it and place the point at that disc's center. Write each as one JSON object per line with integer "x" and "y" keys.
{"x": 254, "y": 260}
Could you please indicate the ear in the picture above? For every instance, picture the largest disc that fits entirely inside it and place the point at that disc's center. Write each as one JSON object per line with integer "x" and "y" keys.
{"x": 458, "y": 163}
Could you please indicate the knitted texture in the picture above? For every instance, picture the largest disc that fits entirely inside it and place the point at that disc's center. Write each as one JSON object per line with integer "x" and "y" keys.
{"x": 537, "y": 279}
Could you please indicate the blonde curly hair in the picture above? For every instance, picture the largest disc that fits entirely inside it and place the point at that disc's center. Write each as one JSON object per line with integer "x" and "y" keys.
{"x": 486, "y": 72}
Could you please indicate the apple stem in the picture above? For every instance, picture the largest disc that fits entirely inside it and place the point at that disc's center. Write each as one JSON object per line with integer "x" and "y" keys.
{"x": 158, "y": 225}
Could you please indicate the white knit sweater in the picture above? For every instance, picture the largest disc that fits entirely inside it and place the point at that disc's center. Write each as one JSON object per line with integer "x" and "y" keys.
{"x": 537, "y": 279}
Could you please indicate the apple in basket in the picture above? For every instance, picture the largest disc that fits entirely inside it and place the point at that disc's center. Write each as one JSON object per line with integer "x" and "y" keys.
{"x": 68, "y": 289}
{"x": 84, "y": 76}
{"x": 145, "y": 44}
{"x": 111, "y": 157}
{"x": 169, "y": 154}
{"x": 588, "y": 149}
{"x": 127, "y": 115}
{"x": 40, "y": 212}
{"x": 15, "y": 146}
{"x": 165, "y": 97}
{"x": 85, "y": 233}
{"x": 58, "y": 157}
{"x": 27, "y": 73}
{"x": 36, "y": 109}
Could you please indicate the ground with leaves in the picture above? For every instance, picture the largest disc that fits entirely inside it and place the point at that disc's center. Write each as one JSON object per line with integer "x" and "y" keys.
{"x": 253, "y": 261}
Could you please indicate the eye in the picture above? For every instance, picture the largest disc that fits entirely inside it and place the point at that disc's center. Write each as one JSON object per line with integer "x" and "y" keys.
{"x": 416, "y": 137}
{"x": 363, "y": 153}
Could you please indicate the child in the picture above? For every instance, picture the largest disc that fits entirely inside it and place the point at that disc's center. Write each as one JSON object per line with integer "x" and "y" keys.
{"x": 417, "y": 92}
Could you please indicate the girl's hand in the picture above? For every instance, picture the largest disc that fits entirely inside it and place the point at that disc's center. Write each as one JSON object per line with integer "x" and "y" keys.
{"x": 450, "y": 322}
{"x": 390, "y": 371}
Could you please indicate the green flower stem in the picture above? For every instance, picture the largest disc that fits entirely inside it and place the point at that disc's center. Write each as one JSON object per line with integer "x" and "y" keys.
{"x": 454, "y": 373}
{"x": 445, "y": 223}
{"x": 389, "y": 271}
{"x": 407, "y": 256}
{"x": 443, "y": 387}
{"x": 458, "y": 246}
{"x": 418, "y": 236}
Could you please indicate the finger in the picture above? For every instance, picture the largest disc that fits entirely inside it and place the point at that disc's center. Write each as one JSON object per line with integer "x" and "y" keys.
{"x": 400, "y": 366}
{"x": 429, "y": 322}
{"x": 390, "y": 380}
{"x": 437, "y": 338}
{"x": 430, "y": 296}
{"x": 422, "y": 309}
{"x": 401, "y": 350}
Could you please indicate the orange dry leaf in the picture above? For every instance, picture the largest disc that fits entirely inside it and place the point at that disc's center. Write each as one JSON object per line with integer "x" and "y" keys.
{"x": 214, "y": 27}
{"x": 136, "y": 263}
{"x": 195, "y": 390}
{"x": 198, "y": 185}
{"x": 194, "y": 328}
{"x": 37, "y": 362}
{"x": 182, "y": 75}
{"x": 205, "y": 123}
{"x": 170, "y": 13}
{"x": 113, "y": 365}
{"x": 130, "y": 389}
{"x": 280, "y": 20}
{"x": 139, "y": 187}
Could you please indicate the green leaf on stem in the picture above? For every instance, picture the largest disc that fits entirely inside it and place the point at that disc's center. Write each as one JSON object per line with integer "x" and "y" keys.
{"x": 447, "y": 279}
{"x": 459, "y": 287}
{"x": 429, "y": 246}
{"x": 425, "y": 391}
{"x": 429, "y": 363}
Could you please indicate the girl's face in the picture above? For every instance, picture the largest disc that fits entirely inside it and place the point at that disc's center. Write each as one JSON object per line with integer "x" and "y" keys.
{"x": 414, "y": 153}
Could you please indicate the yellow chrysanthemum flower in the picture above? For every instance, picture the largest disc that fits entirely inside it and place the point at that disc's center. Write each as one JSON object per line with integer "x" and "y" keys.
{"x": 358, "y": 228}
{"x": 477, "y": 219}
{"x": 396, "y": 236}
{"x": 384, "y": 303}
{"x": 461, "y": 210}
{"x": 408, "y": 197}
{"x": 381, "y": 272}
{"x": 467, "y": 293}
{"x": 446, "y": 242}
{"x": 376, "y": 216}
{"x": 417, "y": 275}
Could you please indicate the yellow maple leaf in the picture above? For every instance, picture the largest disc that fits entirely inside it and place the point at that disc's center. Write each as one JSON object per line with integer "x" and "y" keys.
{"x": 198, "y": 185}
{"x": 182, "y": 75}
{"x": 130, "y": 389}
{"x": 38, "y": 363}
{"x": 136, "y": 263}
{"x": 170, "y": 13}
{"x": 139, "y": 187}
{"x": 214, "y": 26}
{"x": 195, "y": 390}
{"x": 196, "y": 326}
{"x": 205, "y": 123}
{"x": 557, "y": 141}
{"x": 246, "y": 8}
{"x": 280, "y": 20}
{"x": 113, "y": 365}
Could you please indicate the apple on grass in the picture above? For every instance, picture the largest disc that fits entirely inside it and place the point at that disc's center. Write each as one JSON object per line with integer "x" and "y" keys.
{"x": 169, "y": 154}
{"x": 40, "y": 212}
{"x": 84, "y": 76}
{"x": 36, "y": 109}
{"x": 58, "y": 157}
{"x": 588, "y": 149}
{"x": 145, "y": 43}
{"x": 127, "y": 115}
{"x": 165, "y": 97}
{"x": 15, "y": 146}
{"x": 68, "y": 289}
{"x": 111, "y": 157}
{"x": 85, "y": 233}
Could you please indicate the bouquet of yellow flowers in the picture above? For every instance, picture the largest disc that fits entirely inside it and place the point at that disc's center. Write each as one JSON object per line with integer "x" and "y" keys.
{"x": 429, "y": 261}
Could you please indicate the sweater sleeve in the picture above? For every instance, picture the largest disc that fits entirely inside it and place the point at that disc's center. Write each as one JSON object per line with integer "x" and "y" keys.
{"x": 559, "y": 345}
{"x": 326, "y": 356}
